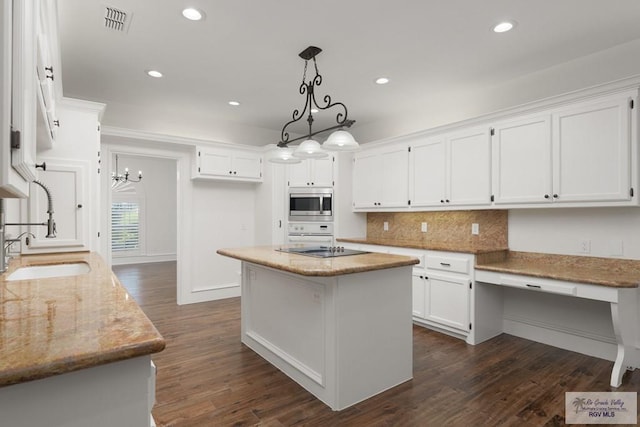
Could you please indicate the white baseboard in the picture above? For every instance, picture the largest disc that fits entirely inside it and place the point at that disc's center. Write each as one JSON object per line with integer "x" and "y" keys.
{"x": 142, "y": 259}
{"x": 573, "y": 340}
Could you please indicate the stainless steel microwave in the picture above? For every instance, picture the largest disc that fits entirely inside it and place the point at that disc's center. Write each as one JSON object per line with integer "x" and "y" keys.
{"x": 311, "y": 204}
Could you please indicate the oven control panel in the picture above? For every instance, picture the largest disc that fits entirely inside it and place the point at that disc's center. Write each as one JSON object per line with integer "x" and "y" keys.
{"x": 311, "y": 228}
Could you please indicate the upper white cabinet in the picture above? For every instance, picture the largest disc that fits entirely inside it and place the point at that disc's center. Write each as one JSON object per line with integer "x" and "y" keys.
{"x": 522, "y": 160}
{"x": 452, "y": 169}
{"x": 381, "y": 178}
{"x": 312, "y": 173}
{"x": 17, "y": 90}
{"x": 592, "y": 151}
{"x": 47, "y": 73}
{"x": 577, "y": 155}
{"x": 228, "y": 164}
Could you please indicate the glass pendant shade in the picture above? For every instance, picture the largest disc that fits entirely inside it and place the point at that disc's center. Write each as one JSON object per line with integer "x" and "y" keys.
{"x": 310, "y": 149}
{"x": 340, "y": 140}
{"x": 283, "y": 155}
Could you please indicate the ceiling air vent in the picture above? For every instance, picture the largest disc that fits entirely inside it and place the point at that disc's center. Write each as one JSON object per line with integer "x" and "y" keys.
{"x": 116, "y": 19}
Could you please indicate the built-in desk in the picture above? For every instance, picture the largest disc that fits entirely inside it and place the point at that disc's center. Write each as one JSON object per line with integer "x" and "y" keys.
{"x": 603, "y": 279}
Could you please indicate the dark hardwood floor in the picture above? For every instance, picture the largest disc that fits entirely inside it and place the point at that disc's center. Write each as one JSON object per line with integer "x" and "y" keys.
{"x": 206, "y": 377}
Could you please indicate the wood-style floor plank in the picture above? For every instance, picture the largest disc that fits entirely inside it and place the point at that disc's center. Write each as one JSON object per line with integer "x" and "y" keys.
{"x": 206, "y": 377}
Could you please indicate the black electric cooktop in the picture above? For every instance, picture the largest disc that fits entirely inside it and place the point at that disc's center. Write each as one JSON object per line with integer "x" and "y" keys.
{"x": 322, "y": 251}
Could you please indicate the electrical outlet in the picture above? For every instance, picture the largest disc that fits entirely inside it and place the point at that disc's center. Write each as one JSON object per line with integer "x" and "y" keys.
{"x": 475, "y": 228}
{"x": 385, "y": 226}
{"x": 585, "y": 246}
{"x": 424, "y": 227}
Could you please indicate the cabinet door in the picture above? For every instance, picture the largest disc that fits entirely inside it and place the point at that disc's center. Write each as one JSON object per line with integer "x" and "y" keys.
{"x": 591, "y": 151}
{"x": 428, "y": 172}
{"x": 394, "y": 185}
{"x": 23, "y": 105}
{"x": 521, "y": 152}
{"x": 66, "y": 182}
{"x": 366, "y": 175}
{"x": 322, "y": 171}
{"x": 247, "y": 165}
{"x": 299, "y": 174}
{"x": 418, "y": 298}
{"x": 447, "y": 301}
{"x": 214, "y": 163}
{"x": 469, "y": 167}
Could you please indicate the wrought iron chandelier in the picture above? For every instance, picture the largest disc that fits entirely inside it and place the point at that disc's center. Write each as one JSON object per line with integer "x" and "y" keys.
{"x": 340, "y": 140}
{"x": 118, "y": 179}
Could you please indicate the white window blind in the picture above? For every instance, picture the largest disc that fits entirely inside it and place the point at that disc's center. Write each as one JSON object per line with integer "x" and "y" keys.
{"x": 125, "y": 226}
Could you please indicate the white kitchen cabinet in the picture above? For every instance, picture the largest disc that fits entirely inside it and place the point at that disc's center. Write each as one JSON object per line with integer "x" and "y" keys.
{"x": 17, "y": 86}
{"x": 592, "y": 151}
{"x": 575, "y": 155}
{"x": 442, "y": 292}
{"x": 428, "y": 172}
{"x": 66, "y": 180}
{"x": 311, "y": 173}
{"x": 521, "y": 152}
{"x": 453, "y": 169}
{"x": 381, "y": 178}
{"x": 46, "y": 73}
{"x": 228, "y": 164}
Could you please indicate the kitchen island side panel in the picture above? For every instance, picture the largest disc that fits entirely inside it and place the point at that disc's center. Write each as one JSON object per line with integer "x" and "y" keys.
{"x": 344, "y": 338}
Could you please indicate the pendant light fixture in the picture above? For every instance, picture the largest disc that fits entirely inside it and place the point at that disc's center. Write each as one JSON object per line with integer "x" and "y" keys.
{"x": 341, "y": 140}
{"x": 118, "y": 179}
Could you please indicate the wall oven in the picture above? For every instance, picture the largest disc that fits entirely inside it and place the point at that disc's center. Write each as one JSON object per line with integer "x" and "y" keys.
{"x": 310, "y": 232}
{"x": 310, "y": 204}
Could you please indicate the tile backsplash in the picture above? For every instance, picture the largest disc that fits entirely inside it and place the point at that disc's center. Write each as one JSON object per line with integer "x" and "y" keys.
{"x": 442, "y": 227}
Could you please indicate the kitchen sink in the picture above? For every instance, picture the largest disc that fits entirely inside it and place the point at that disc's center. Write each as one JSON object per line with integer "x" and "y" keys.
{"x": 48, "y": 271}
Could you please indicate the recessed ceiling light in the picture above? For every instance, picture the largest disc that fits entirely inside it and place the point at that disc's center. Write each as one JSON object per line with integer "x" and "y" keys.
{"x": 154, "y": 73}
{"x": 193, "y": 14}
{"x": 382, "y": 80}
{"x": 504, "y": 26}
{"x": 234, "y": 103}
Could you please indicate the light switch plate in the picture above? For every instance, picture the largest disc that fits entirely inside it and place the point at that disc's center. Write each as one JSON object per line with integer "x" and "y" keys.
{"x": 424, "y": 227}
{"x": 385, "y": 226}
{"x": 475, "y": 228}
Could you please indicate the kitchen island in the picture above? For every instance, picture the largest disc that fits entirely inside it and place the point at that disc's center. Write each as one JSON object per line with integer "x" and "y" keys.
{"x": 75, "y": 350}
{"x": 340, "y": 327}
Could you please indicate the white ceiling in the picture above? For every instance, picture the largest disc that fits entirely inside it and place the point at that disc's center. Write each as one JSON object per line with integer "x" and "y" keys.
{"x": 247, "y": 50}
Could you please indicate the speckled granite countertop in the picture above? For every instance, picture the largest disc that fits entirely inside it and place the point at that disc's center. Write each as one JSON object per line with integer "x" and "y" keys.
{"x": 311, "y": 266}
{"x": 57, "y": 325}
{"x": 469, "y": 248}
{"x": 618, "y": 273}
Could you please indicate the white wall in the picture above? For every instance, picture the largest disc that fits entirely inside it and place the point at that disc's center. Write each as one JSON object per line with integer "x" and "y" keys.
{"x": 602, "y": 67}
{"x": 210, "y": 215}
{"x": 561, "y": 231}
{"x": 158, "y": 188}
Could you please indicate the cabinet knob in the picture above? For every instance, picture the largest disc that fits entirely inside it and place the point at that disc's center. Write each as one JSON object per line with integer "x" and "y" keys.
{"x": 235, "y": 172}
{"x": 56, "y": 123}
{"x": 42, "y": 166}
{"x": 230, "y": 172}
{"x": 312, "y": 183}
{"x": 555, "y": 196}
{"x": 80, "y": 206}
{"x": 546, "y": 196}
{"x": 441, "y": 200}
{"x": 447, "y": 200}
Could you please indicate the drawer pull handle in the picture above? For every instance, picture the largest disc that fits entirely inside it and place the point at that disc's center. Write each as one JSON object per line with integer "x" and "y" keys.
{"x": 533, "y": 286}
{"x": 445, "y": 264}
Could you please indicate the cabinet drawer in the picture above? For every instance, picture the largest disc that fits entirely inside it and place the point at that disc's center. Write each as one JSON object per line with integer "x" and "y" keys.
{"x": 538, "y": 285}
{"x": 447, "y": 263}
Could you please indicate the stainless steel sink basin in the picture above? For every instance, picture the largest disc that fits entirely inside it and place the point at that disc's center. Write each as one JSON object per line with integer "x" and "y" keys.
{"x": 51, "y": 270}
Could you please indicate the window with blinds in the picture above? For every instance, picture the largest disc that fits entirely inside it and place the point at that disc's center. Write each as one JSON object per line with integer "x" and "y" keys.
{"x": 125, "y": 226}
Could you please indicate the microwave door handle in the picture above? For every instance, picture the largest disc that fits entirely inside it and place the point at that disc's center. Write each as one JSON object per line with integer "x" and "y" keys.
{"x": 321, "y": 205}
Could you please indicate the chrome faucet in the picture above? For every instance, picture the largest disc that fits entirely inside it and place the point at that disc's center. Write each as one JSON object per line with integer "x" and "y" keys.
{"x": 50, "y": 224}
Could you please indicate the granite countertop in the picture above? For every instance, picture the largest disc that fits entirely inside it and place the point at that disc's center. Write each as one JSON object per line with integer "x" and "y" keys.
{"x": 311, "y": 266}
{"x": 57, "y": 325}
{"x": 464, "y": 247}
{"x": 618, "y": 273}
